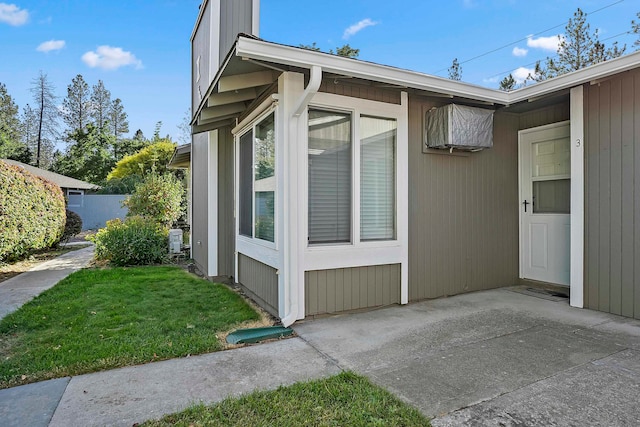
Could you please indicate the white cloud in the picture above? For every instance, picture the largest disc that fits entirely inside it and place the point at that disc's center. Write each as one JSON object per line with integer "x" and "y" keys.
{"x": 519, "y": 51}
{"x": 110, "y": 58}
{"x": 491, "y": 80}
{"x": 50, "y": 45}
{"x": 521, "y": 74}
{"x": 547, "y": 43}
{"x": 352, "y": 30}
{"x": 13, "y": 15}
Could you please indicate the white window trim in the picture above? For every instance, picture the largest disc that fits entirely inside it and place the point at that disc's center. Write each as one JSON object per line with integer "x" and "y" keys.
{"x": 77, "y": 193}
{"x": 358, "y": 253}
{"x": 258, "y": 249}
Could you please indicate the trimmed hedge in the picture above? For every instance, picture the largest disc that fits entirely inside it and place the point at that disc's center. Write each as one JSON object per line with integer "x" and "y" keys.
{"x": 136, "y": 241}
{"x": 32, "y": 212}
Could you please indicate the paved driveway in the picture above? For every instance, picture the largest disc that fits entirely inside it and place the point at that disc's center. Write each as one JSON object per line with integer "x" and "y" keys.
{"x": 507, "y": 357}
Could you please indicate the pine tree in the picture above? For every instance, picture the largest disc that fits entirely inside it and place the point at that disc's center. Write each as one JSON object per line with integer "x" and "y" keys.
{"x": 46, "y": 113}
{"x": 77, "y": 105}
{"x": 635, "y": 29}
{"x": 11, "y": 146}
{"x": 100, "y": 105}
{"x": 508, "y": 83}
{"x": 118, "y": 122}
{"x": 455, "y": 71}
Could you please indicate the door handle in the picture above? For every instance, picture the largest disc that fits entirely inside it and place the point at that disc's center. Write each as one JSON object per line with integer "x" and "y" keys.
{"x": 525, "y": 203}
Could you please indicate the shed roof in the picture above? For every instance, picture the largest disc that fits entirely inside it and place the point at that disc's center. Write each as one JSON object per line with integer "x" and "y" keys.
{"x": 62, "y": 180}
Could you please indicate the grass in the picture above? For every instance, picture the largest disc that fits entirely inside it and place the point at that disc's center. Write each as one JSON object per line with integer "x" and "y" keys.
{"x": 346, "y": 399}
{"x": 98, "y": 319}
{"x": 11, "y": 269}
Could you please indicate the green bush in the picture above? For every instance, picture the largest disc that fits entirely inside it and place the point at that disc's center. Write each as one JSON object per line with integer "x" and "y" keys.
{"x": 72, "y": 226}
{"x": 31, "y": 212}
{"x": 155, "y": 156}
{"x": 136, "y": 241}
{"x": 158, "y": 198}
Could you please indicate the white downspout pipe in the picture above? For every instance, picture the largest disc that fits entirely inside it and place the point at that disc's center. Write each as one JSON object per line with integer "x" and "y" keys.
{"x": 292, "y": 237}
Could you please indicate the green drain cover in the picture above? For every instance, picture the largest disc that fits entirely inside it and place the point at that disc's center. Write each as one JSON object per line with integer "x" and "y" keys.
{"x": 253, "y": 335}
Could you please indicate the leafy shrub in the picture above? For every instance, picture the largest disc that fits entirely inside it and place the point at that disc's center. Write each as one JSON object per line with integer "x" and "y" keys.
{"x": 136, "y": 241}
{"x": 72, "y": 226}
{"x": 158, "y": 198}
{"x": 155, "y": 156}
{"x": 31, "y": 212}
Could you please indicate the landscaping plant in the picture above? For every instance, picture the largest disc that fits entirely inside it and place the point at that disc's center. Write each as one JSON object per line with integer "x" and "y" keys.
{"x": 135, "y": 241}
{"x": 72, "y": 226}
{"x": 157, "y": 198}
{"x": 31, "y": 212}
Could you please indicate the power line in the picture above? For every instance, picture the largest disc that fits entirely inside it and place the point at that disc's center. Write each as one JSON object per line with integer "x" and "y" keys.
{"x": 526, "y": 38}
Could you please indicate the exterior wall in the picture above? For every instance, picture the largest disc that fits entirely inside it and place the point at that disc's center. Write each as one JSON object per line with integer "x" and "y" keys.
{"x": 201, "y": 51}
{"x": 96, "y": 209}
{"x": 235, "y": 17}
{"x": 612, "y": 199}
{"x": 261, "y": 281}
{"x": 331, "y": 291}
{"x": 226, "y": 224}
{"x": 544, "y": 116}
{"x": 463, "y": 212}
{"x": 371, "y": 93}
{"x": 199, "y": 200}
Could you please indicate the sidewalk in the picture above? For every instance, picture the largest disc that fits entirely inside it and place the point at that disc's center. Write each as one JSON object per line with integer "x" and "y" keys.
{"x": 20, "y": 289}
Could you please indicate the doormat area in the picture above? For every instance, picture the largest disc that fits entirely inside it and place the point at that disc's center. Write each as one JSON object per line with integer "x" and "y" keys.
{"x": 548, "y": 294}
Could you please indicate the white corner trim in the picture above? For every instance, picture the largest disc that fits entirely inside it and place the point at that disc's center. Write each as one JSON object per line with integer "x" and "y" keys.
{"x": 402, "y": 175}
{"x": 212, "y": 203}
{"x": 255, "y": 18}
{"x": 577, "y": 197}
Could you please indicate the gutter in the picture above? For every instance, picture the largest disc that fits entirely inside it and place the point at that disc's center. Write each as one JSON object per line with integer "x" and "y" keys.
{"x": 291, "y": 258}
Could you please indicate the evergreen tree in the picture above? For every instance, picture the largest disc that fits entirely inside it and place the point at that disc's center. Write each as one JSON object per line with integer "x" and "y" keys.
{"x": 508, "y": 83}
{"x": 11, "y": 145}
{"x": 100, "y": 105}
{"x": 77, "y": 106}
{"x": 635, "y": 29}
{"x": 46, "y": 113}
{"x": 346, "y": 51}
{"x": 184, "y": 129}
{"x": 455, "y": 71}
{"x": 118, "y": 122}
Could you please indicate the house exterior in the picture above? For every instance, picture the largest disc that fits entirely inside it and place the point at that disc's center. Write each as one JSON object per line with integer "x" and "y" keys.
{"x": 315, "y": 187}
{"x": 94, "y": 209}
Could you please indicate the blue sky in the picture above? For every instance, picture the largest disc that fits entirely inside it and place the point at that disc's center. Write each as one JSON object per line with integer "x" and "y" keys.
{"x": 140, "y": 49}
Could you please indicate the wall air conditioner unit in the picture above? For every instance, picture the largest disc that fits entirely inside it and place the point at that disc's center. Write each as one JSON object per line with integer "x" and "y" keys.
{"x": 459, "y": 127}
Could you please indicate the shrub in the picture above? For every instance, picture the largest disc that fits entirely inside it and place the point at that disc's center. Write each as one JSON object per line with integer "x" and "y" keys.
{"x": 31, "y": 212}
{"x": 136, "y": 241}
{"x": 144, "y": 161}
{"x": 72, "y": 226}
{"x": 158, "y": 198}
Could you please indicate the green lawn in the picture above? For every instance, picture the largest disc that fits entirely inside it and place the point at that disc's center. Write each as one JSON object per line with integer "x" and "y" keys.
{"x": 346, "y": 399}
{"x": 98, "y": 319}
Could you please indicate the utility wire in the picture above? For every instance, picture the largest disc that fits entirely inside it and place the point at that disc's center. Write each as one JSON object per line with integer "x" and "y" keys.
{"x": 526, "y": 38}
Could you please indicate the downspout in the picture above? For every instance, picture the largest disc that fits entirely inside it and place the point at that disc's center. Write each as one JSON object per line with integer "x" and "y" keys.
{"x": 291, "y": 254}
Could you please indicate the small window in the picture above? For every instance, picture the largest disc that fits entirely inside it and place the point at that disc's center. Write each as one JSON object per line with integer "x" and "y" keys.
{"x": 257, "y": 181}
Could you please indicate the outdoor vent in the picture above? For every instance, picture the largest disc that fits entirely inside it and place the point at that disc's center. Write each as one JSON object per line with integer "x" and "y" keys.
{"x": 459, "y": 127}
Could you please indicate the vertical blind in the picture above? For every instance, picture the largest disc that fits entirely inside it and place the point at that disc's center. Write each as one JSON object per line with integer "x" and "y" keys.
{"x": 329, "y": 177}
{"x": 377, "y": 178}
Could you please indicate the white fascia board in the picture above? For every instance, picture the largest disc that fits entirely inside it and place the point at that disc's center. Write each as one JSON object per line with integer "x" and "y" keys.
{"x": 296, "y": 57}
{"x": 576, "y": 78}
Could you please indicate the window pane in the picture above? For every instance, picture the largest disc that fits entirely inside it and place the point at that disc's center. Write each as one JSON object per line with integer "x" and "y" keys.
{"x": 329, "y": 177}
{"x": 265, "y": 180}
{"x": 377, "y": 178}
{"x": 245, "y": 196}
{"x": 552, "y": 196}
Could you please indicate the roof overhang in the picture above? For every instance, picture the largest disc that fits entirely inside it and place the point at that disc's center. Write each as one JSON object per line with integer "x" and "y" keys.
{"x": 253, "y": 65}
{"x": 181, "y": 158}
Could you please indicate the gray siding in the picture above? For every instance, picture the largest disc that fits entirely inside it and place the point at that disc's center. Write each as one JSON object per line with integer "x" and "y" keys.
{"x": 235, "y": 17}
{"x": 226, "y": 224}
{"x": 360, "y": 91}
{"x": 200, "y": 48}
{"x": 463, "y": 212}
{"x": 332, "y": 291}
{"x": 261, "y": 281}
{"x": 612, "y": 199}
{"x": 199, "y": 191}
{"x": 545, "y": 116}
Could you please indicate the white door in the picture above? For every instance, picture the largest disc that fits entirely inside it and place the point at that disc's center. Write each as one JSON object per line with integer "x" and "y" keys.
{"x": 545, "y": 181}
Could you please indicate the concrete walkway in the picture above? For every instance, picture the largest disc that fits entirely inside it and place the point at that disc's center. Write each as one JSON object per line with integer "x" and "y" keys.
{"x": 507, "y": 357}
{"x": 23, "y": 287}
